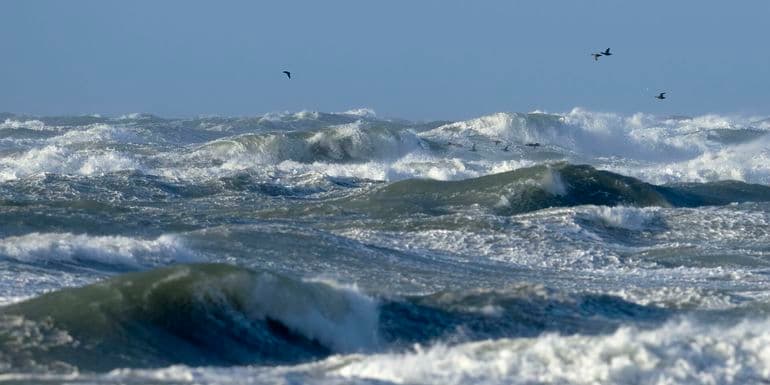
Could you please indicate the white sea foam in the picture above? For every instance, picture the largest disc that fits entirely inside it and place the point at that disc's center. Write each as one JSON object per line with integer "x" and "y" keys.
{"x": 679, "y": 352}
{"x": 630, "y": 218}
{"x": 534, "y": 241}
{"x": 33, "y": 124}
{"x": 409, "y": 166}
{"x": 289, "y": 116}
{"x": 362, "y": 112}
{"x": 678, "y": 246}
{"x": 729, "y": 235}
{"x": 678, "y": 297}
{"x": 87, "y": 150}
{"x": 97, "y": 133}
{"x": 339, "y": 317}
{"x": 61, "y": 160}
{"x": 748, "y": 162}
{"x": 553, "y": 183}
{"x": 131, "y": 116}
{"x": 82, "y": 248}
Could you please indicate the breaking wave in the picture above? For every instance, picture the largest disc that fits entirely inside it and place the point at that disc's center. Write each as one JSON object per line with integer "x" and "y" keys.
{"x": 211, "y": 314}
{"x": 559, "y": 185}
{"x": 359, "y": 144}
{"x": 191, "y": 314}
{"x": 52, "y": 248}
{"x": 680, "y": 352}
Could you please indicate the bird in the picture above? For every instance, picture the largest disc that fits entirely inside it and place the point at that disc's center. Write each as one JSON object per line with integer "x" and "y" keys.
{"x": 606, "y": 52}
{"x": 661, "y": 96}
{"x": 596, "y": 56}
{"x": 288, "y": 74}
{"x": 506, "y": 147}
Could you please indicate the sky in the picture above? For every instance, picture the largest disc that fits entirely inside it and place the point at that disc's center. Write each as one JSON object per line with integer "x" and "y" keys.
{"x": 413, "y": 59}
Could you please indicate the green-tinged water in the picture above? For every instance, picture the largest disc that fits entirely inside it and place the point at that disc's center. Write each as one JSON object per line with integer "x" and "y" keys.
{"x": 344, "y": 248}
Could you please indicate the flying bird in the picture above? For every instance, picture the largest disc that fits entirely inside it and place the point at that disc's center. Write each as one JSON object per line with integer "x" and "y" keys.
{"x": 596, "y": 56}
{"x": 288, "y": 74}
{"x": 606, "y": 52}
{"x": 661, "y": 96}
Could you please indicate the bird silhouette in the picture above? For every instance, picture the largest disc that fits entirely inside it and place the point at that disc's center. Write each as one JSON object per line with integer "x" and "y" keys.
{"x": 506, "y": 147}
{"x": 661, "y": 96}
{"x": 606, "y": 52}
{"x": 596, "y": 56}
{"x": 288, "y": 74}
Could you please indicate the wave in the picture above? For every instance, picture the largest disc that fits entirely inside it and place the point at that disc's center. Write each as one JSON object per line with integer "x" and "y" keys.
{"x": 345, "y": 143}
{"x": 745, "y": 161}
{"x": 655, "y": 149}
{"x": 32, "y": 125}
{"x": 192, "y": 314}
{"x": 120, "y": 251}
{"x": 357, "y": 144}
{"x": 622, "y": 217}
{"x": 682, "y": 351}
{"x": 95, "y": 149}
{"x": 558, "y": 185}
{"x": 521, "y": 310}
{"x": 659, "y": 150}
{"x": 639, "y": 136}
{"x": 212, "y": 314}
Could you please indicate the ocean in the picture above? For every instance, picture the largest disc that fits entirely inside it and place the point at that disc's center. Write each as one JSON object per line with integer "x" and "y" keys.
{"x": 345, "y": 248}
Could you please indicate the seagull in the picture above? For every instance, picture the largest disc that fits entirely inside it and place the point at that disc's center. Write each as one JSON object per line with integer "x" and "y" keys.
{"x": 596, "y": 56}
{"x": 506, "y": 147}
{"x": 661, "y": 96}
{"x": 288, "y": 74}
{"x": 606, "y": 53}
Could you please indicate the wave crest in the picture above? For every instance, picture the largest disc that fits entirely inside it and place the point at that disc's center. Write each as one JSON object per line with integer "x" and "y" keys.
{"x": 194, "y": 314}
{"x": 47, "y": 248}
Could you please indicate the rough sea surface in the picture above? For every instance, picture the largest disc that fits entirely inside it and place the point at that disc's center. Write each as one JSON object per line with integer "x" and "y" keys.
{"x": 343, "y": 248}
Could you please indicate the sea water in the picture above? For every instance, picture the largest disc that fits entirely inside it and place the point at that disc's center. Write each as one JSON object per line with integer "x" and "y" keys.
{"x": 337, "y": 248}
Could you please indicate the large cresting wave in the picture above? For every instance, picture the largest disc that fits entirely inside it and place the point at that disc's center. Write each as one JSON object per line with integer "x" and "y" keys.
{"x": 556, "y": 185}
{"x": 223, "y": 315}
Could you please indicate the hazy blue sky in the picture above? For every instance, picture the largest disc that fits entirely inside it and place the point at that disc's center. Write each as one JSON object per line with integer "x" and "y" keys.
{"x": 416, "y": 59}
